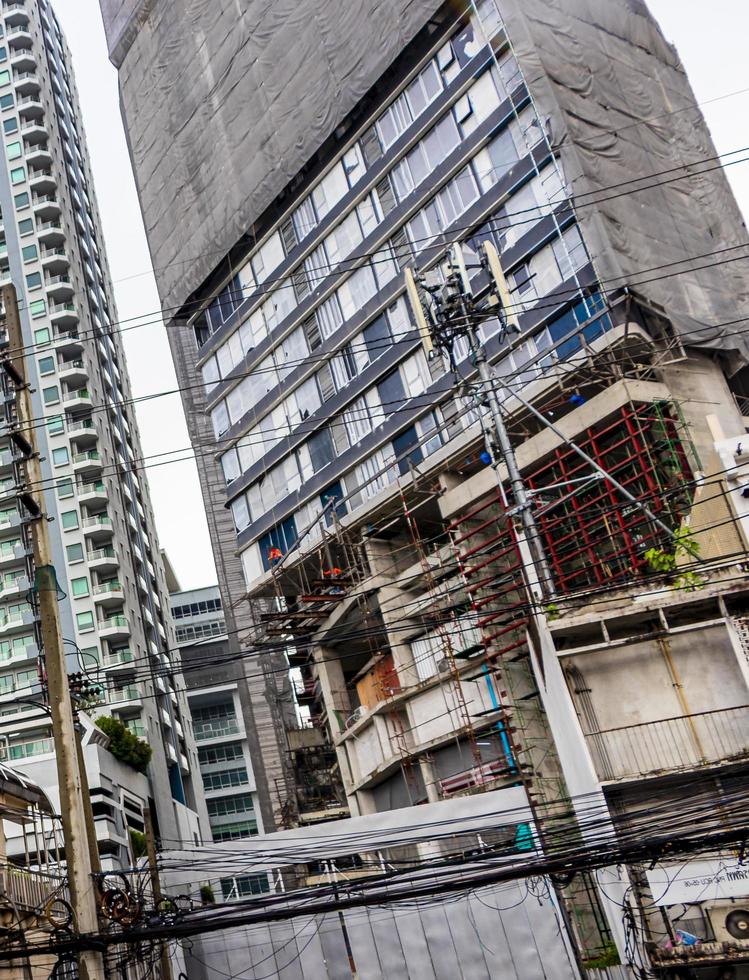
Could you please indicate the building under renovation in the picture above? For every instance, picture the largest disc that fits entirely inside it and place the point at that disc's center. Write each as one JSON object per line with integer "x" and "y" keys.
{"x": 378, "y": 540}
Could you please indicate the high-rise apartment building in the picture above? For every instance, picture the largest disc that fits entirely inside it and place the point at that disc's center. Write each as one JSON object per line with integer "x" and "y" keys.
{"x": 217, "y": 696}
{"x": 115, "y": 609}
{"x": 349, "y": 492}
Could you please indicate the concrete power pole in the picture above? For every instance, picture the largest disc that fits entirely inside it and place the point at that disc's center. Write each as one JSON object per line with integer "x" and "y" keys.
{"x": 72, "y": 802}
{"x": 153, "y": 867}
{"x": 451, "y": 315}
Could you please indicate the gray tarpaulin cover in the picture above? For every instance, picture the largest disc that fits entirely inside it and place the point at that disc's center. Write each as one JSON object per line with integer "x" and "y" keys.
{"x": 225, "y": 100}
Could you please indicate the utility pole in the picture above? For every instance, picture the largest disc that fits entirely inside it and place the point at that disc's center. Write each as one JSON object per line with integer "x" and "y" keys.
{"x": 72, "y": 803}
{"x": 452, "y": 314}
{"x": 538, "y": 575}
{"x": 153, "y": 867}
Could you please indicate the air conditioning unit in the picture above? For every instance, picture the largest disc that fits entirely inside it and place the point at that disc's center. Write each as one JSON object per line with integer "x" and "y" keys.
{"x": 730, "y": 922}
{"x": 355, "y": 716}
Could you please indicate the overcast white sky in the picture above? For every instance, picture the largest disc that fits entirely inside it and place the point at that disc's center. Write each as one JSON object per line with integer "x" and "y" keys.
{"x": 712, "y": 47}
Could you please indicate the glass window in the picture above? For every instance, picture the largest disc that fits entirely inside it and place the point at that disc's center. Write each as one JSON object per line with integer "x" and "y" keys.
{"x": 65, "y": 488}
{"x": 220, "y": 419}
{"x": 51, "y": 395}
{"x": 60, "y": 456}
{"x": 79, "y": 586}
{"x": 26, "y": 227}
{"x": 329, "y": 316}
{"x": 21, "y": 201}
{"x": 14, "y": 151}
{"x": 376, "y": 337}
{"x": 6, "y": 101}
{"x": 34, "y": 280}
{"x": 85, "y": 621}
{"x": 424, "y": 89}
{"x": 353, "y": 164}
{"x": 69, "y": 519}
{"x": 29, "y": 253}
{"x": 321, "y": 449}
{"x": 230, "y": 465}
{"x": 357, "y": 291}
{"x": 38, "y": 307}
{"x": 47, "y": 365}
{"x": 330, "y": 190}
{"x": 74, "y": 553}
{"x": 305, "y": 218}
{"x": 241, "y": 513}
{"x": 5, "y": 79}
{"x": 55, "y": 425}
{"x": 18, "y": 175}
{"x": 502, "y": 156}
{"x": 10, "y": 125}
{"x": 391, "y": 391}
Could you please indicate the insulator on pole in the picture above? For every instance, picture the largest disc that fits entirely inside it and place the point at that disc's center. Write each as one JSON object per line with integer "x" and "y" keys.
{"x": 417, "y": 308}
{"x": 500, "y": 282}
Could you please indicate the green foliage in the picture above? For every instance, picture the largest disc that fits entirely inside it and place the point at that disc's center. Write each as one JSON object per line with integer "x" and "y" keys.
{"x": 552, "y": 611}
{"x": 206, "y": 895}
{"x": 667, "y": 562}
{"x": 138, "y": 842}
{"x": 609, "y": 957}
{"x": 125, "y": 746}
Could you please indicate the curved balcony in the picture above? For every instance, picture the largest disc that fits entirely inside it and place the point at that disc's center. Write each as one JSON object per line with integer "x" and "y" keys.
{"x": 10, "y": 524}
{"x": 30, "y": 107}
{"x": 14, "y": 587}
{"x": 103, "y": 560}
{"x": 73, "y": 372}
{"x": 22, "y": 58}
{"x": 97, "y": 528}
{"x": 76, "y": 401}
{"x": 59, "y": 288}
{"x": 16, "y": 621}
{"x": 19, "y": 37}
{"x": 34, "y": 132}
{"x": 91, "y": 493}
{"x": 118, "y": 659}
{"x": 50, "y": 233}
{"x": 15, "y": 14}
{"x": 108, "y": 594}
{"x": 127, "y": 696}
{"x": 27, "y": 82}
{"x": 115, "y": 627}
{"x": 13, "y": 557}
{"x": 67, "y": 341}
{"x": 63, "y": 314}
{"x": 83, "y": 433}
{"x": 42, "y": 181}
{"x": 89, "y": 462}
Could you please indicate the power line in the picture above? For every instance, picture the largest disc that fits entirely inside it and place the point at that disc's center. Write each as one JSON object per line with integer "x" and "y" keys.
{"x": 430, "y": 244}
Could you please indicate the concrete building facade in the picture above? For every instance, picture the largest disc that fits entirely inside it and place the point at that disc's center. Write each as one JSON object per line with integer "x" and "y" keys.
{"x": 349, "y": 491}
{"x": 114, "y": 603}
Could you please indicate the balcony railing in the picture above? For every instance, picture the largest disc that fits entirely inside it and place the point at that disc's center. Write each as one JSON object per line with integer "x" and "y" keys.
{"x": 118, "y": 657}
{"x": 113, "y": 623}
{"x": 26, "y": 750}
{"x": 107, "y": 588}
{"x": 217, "y": 730}
{"x": 31, "y": 889}
{"x": 130, "y": 692}
{"x": 671, "y": 744}
{"x": 100, "y": 553}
